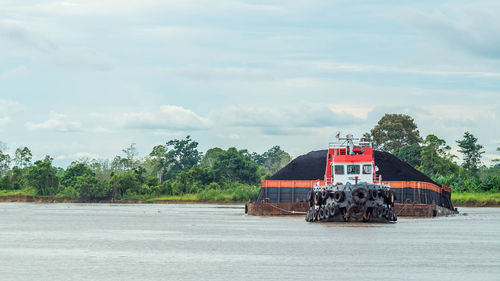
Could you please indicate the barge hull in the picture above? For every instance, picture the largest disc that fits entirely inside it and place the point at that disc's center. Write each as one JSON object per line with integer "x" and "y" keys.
{"x": 413, "y": 198}
{"x": 300, "y": 208}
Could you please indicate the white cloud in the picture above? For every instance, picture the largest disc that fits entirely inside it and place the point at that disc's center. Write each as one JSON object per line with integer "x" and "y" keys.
{"x": 100, "y": 129}
{"x": 489, "y": 157}
{"x": 221, "y": 73}
{"x": 4, "y": 120}
{"x": 299, "y": 82}
{"x": 15, "y": 72}
{"x": 117, "y": 8}
{"x": 78, "y": 155}
{"x": 234, "y": 136}
{"x": 167, "y": 133}
{"x": 357, "y": 110}
{"x": 351, "y": 67}
{"x": 8, "y": 108}
{"x": 14, "y": 32}
{"x": 22, "y": 36}
{"x": 56, "y": 123}
{"x": 470, "y": 27}
{"x": 286, "y": 119}
{"x": 167, "y": 117}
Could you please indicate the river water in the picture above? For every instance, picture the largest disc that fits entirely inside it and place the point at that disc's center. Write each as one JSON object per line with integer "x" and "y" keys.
{"x": 219, "y": 242}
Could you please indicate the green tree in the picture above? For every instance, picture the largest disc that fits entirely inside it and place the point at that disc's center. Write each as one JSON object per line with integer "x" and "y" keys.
{"x": 139, "y": 172}
{"x": 76, "y": 169}
{"x": 236, "y": 166}
{"x": 498, "y": 159}
{"x": 367, "y": 137}
{"x": 471, "y": 151}
{"x": 91, "y": 188}
{"x": 410, "y": 154}
{"x": 130, "y": 157}
{"x": 394, "y": 131}
{"x": 435, "y": 157}
{"x": 160, "y": 159}
{"x": 102, "y": 169}
{"x": 128, "y": 162}
{"x": 22, "y": 157}
{"x": 182, "y": 155}
{"x": 13, "y": 179}
{"x": 272, "y": 160}
{"x": 125, "y": 183}
{"x": 42, "y": 176}
{"x": 4, "y": 159}
{"x": 210, "y": 157}
{"x": 194, "y": 180}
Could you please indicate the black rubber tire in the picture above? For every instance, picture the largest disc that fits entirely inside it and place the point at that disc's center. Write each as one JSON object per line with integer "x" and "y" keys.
{"x": 326, "y": 211}
{"x": 384, "y": 212}
{"x": 315, "y": 215}
{"x": 394, "y": 216}
{"x": 385, "y": 194}
{"x": 310, "y": 198}
{"x": 321, "y": 213}
{"x": 381, "y": 193}
{"x": 325, "y": 194}
{"x": 359, "y": 195}
{"x": 339, "y": 196}
{"x": 380, "y": 212}
{"x": 318, "y": 199}
{"x": 373, "y": 194}
{"x": 332, "y": 211}
{"x": 388, "y": 215}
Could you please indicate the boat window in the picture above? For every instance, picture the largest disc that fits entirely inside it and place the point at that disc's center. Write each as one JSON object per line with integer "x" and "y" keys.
{"x": 339, "y": 169}
{"x": 353, "y": 169}
{"x": 367, "y": 169}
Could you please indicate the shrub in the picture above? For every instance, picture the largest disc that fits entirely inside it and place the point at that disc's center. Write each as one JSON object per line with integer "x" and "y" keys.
{"x": 68, "y": 192}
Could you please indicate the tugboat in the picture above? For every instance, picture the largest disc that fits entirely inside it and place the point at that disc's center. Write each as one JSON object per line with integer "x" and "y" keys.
{"x": 352, "y": 190}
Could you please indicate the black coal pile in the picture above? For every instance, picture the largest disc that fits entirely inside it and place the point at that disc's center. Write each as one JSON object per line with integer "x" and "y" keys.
{"x": 393, "y": 169}
{"x": 311, "y": 166}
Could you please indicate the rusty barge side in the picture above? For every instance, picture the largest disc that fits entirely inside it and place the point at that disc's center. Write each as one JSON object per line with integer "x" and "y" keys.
{"x": 413, "y": 198}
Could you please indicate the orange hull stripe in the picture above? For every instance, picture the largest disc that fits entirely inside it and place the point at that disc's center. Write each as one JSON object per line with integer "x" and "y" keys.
{"x": 392, "y": 184}
{"x": 286, "y": 183}
{"x": 414, "y": 184}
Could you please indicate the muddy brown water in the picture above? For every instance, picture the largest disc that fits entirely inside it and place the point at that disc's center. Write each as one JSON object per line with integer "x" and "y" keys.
{"x": 218, "y": 242}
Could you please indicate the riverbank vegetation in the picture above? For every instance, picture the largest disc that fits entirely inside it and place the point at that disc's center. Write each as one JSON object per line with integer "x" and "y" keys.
{"x": 173, "y": 171}
{"x": 178, "y": 171}
{"x": 476, "y": 199}
{"x": 398, "y": 134}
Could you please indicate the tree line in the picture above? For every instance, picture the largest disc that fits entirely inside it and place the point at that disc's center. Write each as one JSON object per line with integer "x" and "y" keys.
{"x": 174, "y": 168}
{"x": 177, "y": 167}
{"x": 398, "y": 134}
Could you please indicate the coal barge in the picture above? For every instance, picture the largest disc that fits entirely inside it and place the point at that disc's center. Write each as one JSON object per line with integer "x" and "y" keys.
{"x": 288, "y": 192}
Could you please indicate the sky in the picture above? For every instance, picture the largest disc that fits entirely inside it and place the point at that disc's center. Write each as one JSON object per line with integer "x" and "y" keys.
{"x": 85, "y": 79}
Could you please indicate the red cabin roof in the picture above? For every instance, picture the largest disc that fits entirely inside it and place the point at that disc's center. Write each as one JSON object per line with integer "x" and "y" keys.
{"x": 336, "y": 154}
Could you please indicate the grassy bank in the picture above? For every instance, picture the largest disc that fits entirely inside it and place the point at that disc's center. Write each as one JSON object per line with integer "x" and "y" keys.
{"x": 479, "y": 199}
{"x": 236, "y": 194}
{"x": 23, "y": 192}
